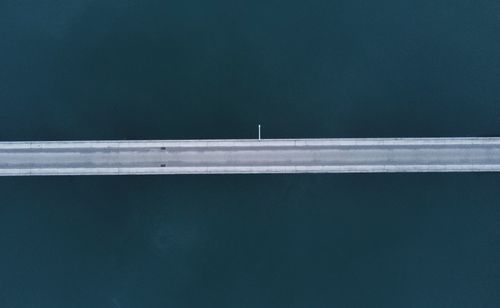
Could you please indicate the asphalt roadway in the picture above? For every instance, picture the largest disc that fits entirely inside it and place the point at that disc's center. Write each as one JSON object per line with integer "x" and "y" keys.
{"x": 26, "y": 158}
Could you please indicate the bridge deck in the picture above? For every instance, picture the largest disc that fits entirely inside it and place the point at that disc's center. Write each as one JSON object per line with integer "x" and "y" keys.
{"x": 250, "y": 156}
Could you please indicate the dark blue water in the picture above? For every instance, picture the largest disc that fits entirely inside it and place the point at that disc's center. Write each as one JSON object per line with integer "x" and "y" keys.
{"x": 84, "y": 69}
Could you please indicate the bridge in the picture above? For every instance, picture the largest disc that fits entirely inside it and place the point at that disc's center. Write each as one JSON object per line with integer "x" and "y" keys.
{"x": 29, "y": 158}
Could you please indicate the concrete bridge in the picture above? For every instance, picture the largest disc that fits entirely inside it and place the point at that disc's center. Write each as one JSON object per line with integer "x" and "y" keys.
{"x": 249, "y": 156}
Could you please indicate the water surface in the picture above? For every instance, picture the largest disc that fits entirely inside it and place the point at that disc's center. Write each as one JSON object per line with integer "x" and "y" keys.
{"x": 86, "y": 69}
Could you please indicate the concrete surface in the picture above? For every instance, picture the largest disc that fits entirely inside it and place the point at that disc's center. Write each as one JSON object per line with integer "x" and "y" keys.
{"x": 250, "y": 156}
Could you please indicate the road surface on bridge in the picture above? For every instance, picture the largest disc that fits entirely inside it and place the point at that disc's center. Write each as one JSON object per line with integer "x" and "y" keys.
{"x": 250, "y": 156}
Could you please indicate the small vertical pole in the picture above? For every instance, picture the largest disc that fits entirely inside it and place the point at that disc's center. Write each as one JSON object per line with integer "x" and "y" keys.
{"x": 259, "y": 132}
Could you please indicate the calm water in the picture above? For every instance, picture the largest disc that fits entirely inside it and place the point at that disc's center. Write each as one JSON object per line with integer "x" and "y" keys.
{"x": 109, "y": 69}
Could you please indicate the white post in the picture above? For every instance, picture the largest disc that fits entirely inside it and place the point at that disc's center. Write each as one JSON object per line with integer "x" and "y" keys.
{"x": 259, "y": 132}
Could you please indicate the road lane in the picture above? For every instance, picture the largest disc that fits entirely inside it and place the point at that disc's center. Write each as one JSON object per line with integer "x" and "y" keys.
{"x": 250, "y": 156}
